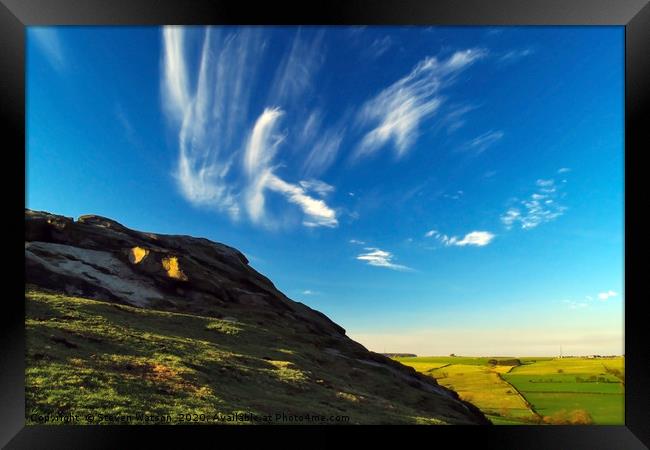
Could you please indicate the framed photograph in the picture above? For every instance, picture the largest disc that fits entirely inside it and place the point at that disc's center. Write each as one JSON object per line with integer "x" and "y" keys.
{"x": 369, "y": 215}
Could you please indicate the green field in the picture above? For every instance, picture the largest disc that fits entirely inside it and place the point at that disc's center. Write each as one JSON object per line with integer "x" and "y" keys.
{"x": 540, "y": 390}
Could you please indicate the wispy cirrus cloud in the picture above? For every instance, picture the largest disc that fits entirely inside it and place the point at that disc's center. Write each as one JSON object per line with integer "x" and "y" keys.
{"x": 260, "y": 151}
{"x": 228, "y": 158}
{"x": 455, "y": 117}
{"x": 514, "y": 55}
{"x": 324, "y": 151}
{"x": 380, "y": 46}
{"x": 381, "y": 258}
{"x": 482, "y": 142}
{"x": 296, "y": 70}
{"x": 48, "y": 41}
{"x": 396, "y": 112}
{"x": 127, "y": 126}
{"x": 208, "y": 112}
{"x": 541, "y": 207}
{"x": 474, "y": 238}
{"x": 317, "y": 213}
{"x": 319, "y": 187}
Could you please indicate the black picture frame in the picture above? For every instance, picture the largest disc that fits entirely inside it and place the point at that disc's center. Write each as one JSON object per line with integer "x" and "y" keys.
{"x": 634, "y": 15}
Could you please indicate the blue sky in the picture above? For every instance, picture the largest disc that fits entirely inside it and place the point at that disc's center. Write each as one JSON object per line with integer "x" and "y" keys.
{"x": 431, "y": 189}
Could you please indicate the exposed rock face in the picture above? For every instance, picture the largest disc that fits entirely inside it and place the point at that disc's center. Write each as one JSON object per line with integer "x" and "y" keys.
{"x": 98, "y": 258}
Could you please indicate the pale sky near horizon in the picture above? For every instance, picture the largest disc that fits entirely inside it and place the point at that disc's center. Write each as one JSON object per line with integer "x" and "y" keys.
{"x": 433, "y": 190}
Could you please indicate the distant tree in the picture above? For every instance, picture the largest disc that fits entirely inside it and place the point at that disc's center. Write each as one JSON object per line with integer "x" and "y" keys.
{"x": 453, "y": 355}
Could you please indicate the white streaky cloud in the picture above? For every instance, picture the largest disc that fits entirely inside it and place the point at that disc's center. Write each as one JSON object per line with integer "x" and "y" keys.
{"x": 514, "y": 55}
{"x": 474, "y": 238}
{"x": 310, "y": 128}
{"x": 200, "y": 176}
{"x": 381, "y": 258}
{"x": 205, "y": 116}
{"x": 541, "y": 207}
{"x": 380, "y": 46}
{"x": 477, "y": 238}
{"x": 258, "y": 157}
{"x": 255, "y": 197}
{"x": 320, "y": 187}
{"x": 324, "y": 151}
{"x": 455, "y": 118}
{"x": 461, "y": 59}
{"x": 396, "y": 112}
{"x": 481, "y": 143}
{"x": 603, "y": 296}
{"x": 564, "y": 170}
{"x": 297, "y": 68}
{"x": 317, "y": 213}
{"x": 175, "y": 80}
{"x": 48, "y": 41}
{"x": 128, "y": 127}
{"x": 209, "y": 110}
{"x": 357, "y": 242}
{"x": 263, "y": 142}
{"x": 238, "y": 56}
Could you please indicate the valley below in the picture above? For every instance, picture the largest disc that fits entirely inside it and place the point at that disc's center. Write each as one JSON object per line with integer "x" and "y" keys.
{"x": 534, "y": 390}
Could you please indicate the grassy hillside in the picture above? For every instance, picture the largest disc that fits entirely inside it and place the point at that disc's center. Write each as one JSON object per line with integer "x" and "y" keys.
{"x": 540, "y": 390}
{"x": 88, "y": 359}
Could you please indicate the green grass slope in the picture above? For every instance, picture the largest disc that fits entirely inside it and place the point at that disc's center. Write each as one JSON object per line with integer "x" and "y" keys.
{"x": 97, "y": 362}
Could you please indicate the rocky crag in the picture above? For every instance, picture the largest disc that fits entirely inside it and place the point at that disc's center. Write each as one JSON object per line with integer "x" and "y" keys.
{"x": 223, "y": 315}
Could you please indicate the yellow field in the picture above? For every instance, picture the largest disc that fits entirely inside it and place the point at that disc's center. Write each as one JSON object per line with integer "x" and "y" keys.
{"x": 426, "y": 367}
{"x": 569, "y": 366}
{"x": 480, "y": 385}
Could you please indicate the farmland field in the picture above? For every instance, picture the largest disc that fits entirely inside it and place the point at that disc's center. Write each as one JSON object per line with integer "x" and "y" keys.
{"x": 534, "y": 389}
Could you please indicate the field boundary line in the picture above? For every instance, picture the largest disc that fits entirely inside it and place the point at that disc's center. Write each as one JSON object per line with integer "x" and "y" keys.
{"x": 438, "y": 368}
{"x": 526, "y": 402}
